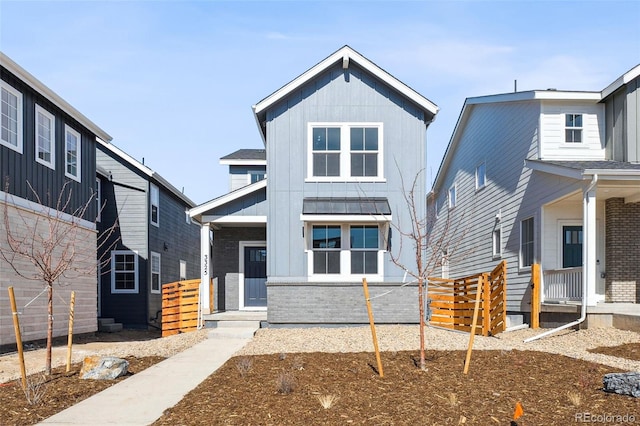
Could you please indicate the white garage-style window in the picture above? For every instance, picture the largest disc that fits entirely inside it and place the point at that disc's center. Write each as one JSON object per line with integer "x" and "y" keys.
{"x": 124, "y": 271}
{"x": 11, "y": 117}
{"x": 345, "y": 152}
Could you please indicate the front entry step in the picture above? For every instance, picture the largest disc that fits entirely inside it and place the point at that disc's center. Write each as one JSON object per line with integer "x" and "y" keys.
{"x": 108, "y": 325}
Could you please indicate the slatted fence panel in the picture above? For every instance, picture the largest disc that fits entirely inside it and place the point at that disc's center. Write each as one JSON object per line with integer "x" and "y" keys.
{"x": 180, "y": 307}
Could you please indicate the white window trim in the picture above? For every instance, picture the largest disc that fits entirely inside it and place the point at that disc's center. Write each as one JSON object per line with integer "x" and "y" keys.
{"x": 98, "y": 199}
{"x": 496, "y": 254}
{"x": 345, "y": 153}
{"x": 581, "y": 128}
{"x": 52, "y": 136}
{"x": 70, "y": 130}
{"x": 484, "y": 176}
{"x": 345, "y": 254}
{"x": 159, "y": 272}
{"x": 183, "y": 270}
{"x": 19, "y": 142}
{"x": 155, "y": 203}
{"x": 521, "y": 265}
{"x": 135, "y": 290}
{"x": 452, "y": 202}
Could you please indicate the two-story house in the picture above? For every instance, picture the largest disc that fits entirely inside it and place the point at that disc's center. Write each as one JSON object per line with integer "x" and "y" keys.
{"x": 339, "y": 140}
{"x": 549, "y": 177}
{"x": 158, "y": 242}
{"x": 47, "y": 145}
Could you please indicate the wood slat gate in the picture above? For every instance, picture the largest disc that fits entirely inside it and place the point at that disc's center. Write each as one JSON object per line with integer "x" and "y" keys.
{"x": 452, "y": 301}
{"x": 180, "y": 307}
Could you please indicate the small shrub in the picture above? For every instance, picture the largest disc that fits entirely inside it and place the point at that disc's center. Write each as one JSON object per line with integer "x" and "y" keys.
{"x": 574, "y": 398}
{"x": 244, "y": 365}
{"x": 285, "y": 383}
{"x": 298, "y": 363}
{"x": 327, "y": 401}
{"x": 36, "y": 388}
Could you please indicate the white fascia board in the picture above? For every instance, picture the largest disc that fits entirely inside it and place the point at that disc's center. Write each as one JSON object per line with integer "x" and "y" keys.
{"x": 609, "y": 174}
{"x": 554, "y": 169}
{"x": 535, "y": 95}
{"x": 233, "y": 220}
{"x": 146, "y": 171}
{"x": 622, "y": 80}
{"x": 231, "y": 196}
{"x": 349, "y": 54}
{"x": 240, "y": 162}
{"x": 37, "y": 85}
{"x": 345, "y": 218}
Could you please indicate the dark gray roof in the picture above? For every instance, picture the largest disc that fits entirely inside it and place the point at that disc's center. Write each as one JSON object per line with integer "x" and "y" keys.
{"x": 342, "y": 205}
{"x": 590, "y": 165}
{"x": 247, "y": 154}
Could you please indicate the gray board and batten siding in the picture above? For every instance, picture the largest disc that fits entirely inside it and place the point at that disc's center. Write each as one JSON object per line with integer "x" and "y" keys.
{"x": 623, "y": 123}
{"x": 125, "y": 198}
{"x": 21, "y": 169}
{"x": 337, "y": 96}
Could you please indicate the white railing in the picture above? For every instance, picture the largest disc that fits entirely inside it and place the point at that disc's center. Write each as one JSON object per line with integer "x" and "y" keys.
{"x": 562, "y": 284}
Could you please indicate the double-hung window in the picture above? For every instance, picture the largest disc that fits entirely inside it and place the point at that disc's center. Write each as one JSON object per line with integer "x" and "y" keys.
{"x": 155, "y": 272}
{"x": 45, "y": 137}
{"x": 481, "y": 176}
{"x": 526, "y": 243}
{"x": 345, "y": 152}
{"x": 72, "y": 150}
{"x": 452, "y": 196}
{"x": 326, "y": 244}
{"x": 573, "y": 128}
{"x": 348, "y": 251}
{"x": 11, "y": 117}
{"x": 124, "y": 271}
{"x": 155, "y": 205}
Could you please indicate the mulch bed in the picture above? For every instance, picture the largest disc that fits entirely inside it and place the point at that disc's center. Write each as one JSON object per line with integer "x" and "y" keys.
{"x": 62, "y": 390}
{"x": 628, "y": 351}
{"x": 552, "y": 390}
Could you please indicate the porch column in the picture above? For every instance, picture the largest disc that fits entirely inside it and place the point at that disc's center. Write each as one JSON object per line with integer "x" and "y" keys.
{"x": 589, "y": 267}
{"x": 205, "y": 267}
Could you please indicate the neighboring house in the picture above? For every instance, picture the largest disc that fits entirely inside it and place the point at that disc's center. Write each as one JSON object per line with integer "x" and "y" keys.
{"x": 45, "y": 143}
{"x": 338, "y": 140}
{"x": 551, "y": 177}
{"x": 158, "y": 241}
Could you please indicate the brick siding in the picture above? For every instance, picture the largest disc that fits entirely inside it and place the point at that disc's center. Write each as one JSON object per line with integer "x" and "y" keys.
{"x": 623, "y": 251}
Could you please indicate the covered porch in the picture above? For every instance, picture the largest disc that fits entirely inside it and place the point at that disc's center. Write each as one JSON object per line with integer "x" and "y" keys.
{"x": 590, "y": 238}
{"x": 233, "y": 250}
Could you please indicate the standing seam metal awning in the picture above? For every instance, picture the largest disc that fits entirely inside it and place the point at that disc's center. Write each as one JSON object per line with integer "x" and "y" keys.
{"x": 345, "y": 206}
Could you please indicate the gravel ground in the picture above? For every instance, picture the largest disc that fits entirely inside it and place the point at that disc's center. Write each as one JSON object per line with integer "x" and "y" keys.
{"x": 348, "y": 339}
{"x": 406, "y": 337}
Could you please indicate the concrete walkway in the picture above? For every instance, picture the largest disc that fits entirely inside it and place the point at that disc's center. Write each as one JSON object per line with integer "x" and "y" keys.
{"x": 142, "y": 398}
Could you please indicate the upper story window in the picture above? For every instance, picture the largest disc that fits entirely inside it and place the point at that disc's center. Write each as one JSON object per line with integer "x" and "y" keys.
{"x": 155, "y": 205}
{"x": 481, "y": 176}
{"x": 573, "y": 128}
{"x": 72, "y": 150}
{"x": 45, "y": 137}
{"x": 256, "y": 175}
{"x": 345, "y": 151}
{"x": 452, "y": 196}
{"x": 11, "y": 117}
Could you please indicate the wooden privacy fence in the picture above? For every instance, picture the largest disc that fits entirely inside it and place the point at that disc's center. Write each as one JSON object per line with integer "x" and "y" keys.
{"x": 452, "y": 301}
{"x": 180, "y": 307}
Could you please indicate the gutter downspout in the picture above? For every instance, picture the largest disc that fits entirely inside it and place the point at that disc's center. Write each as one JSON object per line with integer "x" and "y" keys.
{"x": 583, "y": 311}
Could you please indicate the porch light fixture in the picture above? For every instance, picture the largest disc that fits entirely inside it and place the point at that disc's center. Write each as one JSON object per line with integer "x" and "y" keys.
{"x": 166, "y": 247}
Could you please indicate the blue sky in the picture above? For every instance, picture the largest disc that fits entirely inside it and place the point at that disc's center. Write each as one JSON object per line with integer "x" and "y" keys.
{"x": 173, "y": 82}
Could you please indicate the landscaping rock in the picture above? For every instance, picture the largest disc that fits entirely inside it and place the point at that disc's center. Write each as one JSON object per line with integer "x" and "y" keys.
{"x": 622, "y": 383}
{"x": 103, "y": 367}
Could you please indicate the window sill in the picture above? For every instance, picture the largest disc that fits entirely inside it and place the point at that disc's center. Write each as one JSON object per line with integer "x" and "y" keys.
{"x": 344, "y": 278}
{"x": 339, "y": 179}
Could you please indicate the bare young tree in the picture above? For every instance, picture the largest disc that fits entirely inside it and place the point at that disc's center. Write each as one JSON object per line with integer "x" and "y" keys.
{"x": 427, "y": 245}
{"x": 47, "y": 246}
